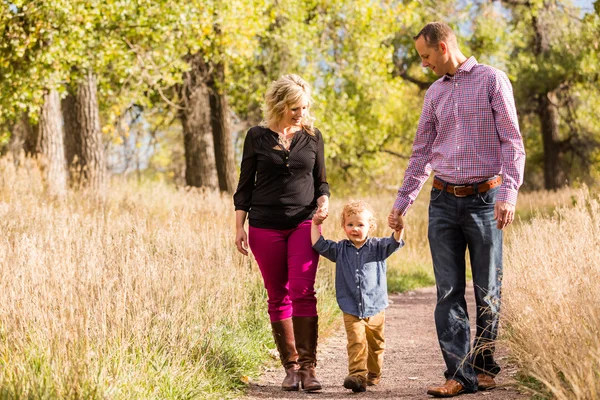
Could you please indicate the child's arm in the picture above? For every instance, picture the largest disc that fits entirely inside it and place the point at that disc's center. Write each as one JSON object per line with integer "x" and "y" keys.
{"x": 314, "y": 232}
{"x": 326, "y": 248}
{"x": 317, "y": 220}
{"x": 399, "y": 234}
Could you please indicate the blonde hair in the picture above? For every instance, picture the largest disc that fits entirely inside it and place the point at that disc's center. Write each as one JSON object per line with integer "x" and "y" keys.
{"x": 285, "y": 93}
{"x": 355, "y": 207}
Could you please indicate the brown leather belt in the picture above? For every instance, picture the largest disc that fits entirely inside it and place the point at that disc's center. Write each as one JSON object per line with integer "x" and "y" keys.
{"x": 467, "y": 190}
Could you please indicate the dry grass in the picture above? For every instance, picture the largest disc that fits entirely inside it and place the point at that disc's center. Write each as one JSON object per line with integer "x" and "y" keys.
{"x": 141, "y": 294}
{"x": 136, "y": 295}
{"x": 551, "y": 305}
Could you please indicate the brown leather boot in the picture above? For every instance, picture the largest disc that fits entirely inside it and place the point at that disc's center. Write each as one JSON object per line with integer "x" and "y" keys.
{"x": 306, "y": 330}
{"x": 283, "y": 332}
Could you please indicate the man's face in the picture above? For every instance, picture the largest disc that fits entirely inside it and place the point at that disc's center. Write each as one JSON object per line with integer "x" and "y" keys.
{"x": 436, "y": 58}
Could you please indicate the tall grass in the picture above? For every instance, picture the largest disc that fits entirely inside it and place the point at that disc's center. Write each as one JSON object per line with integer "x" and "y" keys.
{"x": 137, "y": 295}
{"x": 551, "y": 305}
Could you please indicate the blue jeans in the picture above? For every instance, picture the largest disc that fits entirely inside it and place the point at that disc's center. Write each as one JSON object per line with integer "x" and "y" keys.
{"x": 455, "y": 225}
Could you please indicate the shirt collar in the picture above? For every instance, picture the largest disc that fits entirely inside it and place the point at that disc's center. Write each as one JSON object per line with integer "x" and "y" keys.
{"x": 349, "y": 243}
{"x": 467, "y": 66}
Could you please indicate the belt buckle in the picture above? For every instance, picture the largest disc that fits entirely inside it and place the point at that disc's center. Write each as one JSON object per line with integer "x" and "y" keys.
{"x": 459, "y": 187}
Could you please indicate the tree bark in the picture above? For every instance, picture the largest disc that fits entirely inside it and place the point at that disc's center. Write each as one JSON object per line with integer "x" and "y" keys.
{"x": 71, "y": 127}
{"x": 83, "y": 138}
{"x": 51, "y": 142}
{"x": 554, "y": 174}
{"x": 221, "y": 130}
{"x": 31, "y": 137}
{"x": 23, "y": 138}
{"x": 200, "y": 165}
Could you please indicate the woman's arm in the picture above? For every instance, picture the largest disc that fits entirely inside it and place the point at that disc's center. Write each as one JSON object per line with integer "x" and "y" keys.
{"x": 243, "y": 195}
{"x": 319, "y": 174}
{"x": 241, "y": 238}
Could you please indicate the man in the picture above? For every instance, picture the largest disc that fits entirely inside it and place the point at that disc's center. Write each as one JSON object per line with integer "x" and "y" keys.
{"x": 469, "y": 135}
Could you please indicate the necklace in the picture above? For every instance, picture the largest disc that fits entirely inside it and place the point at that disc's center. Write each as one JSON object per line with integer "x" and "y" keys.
{"x": 285, "y": 141}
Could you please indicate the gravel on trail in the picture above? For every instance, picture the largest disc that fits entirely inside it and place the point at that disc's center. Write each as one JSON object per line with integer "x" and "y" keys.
{"x": 412, "y": 361}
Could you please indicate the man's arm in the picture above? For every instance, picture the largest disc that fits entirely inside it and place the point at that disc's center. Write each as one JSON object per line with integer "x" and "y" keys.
{"x": 511, "y": 147}
{"x": 419, "y": 165}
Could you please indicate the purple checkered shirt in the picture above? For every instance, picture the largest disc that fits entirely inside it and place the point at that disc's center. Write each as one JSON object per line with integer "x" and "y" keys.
{"x": 468, "y": 132}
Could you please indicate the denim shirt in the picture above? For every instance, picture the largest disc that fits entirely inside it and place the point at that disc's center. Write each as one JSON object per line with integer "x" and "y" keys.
{"x": 360, "y": 274}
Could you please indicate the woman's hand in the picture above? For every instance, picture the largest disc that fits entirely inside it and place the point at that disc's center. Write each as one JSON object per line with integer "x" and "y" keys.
{"x": 241, "y": 241}
{"x": 323, "y": 206}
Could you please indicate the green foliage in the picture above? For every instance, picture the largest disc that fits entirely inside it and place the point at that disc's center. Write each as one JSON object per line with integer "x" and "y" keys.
{"x": 399, "y": 282}
{"x": 356, "y": 54}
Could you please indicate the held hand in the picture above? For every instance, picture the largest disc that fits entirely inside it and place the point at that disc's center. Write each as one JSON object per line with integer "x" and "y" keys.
{"x": 241, "y": 241}
{"x": 395, "y": 220}
{"x": 399, "y": 234}
{"x": 323, "y": 205}
{"x": 320, "y": 216}
{"x": 504, "y": 213}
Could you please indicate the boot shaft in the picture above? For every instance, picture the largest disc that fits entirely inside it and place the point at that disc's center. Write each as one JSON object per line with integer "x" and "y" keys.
{"x": 283, "y": 333}
{"x": 306, "y": 332}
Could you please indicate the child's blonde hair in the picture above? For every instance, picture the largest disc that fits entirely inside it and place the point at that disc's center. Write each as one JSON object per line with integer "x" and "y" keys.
{"x": 355, "y": 207}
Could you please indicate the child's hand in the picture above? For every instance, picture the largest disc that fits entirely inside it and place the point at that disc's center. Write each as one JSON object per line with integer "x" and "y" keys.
{"x": 398, "y": 234}
{"x": 320, "y": 216}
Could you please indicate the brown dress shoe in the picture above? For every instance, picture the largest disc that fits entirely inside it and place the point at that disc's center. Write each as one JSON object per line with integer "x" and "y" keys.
{"x": 485, "y": 382}
{"x": 449, "y": 389}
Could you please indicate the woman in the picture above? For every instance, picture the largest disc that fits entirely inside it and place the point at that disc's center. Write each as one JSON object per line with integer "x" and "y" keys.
{"x": 282, "y": 184}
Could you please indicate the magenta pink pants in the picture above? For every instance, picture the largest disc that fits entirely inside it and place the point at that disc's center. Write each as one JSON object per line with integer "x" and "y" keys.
{"x": 288, "y": 265}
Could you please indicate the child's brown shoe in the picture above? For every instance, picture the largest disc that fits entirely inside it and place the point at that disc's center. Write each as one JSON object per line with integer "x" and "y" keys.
{"x": 356, "y": 383}
{"x": 373, "y": 379}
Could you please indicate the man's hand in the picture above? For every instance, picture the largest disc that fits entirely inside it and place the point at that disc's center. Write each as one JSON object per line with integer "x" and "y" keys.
{"x": 395, "y": 220}
{"x": 504, "y": 213}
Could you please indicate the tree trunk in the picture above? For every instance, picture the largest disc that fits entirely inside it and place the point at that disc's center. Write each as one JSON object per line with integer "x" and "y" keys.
{"x": 83, "y": 138}
{"x": 71, "y": 126}
{"x": 50, "y": 135}
{"x": 219, "y": 110}
{"x": 554, "y": 175}
{"x": 200, "y": 166}
{"x": 23, "y": 138}
{"x": 31, "y": 137}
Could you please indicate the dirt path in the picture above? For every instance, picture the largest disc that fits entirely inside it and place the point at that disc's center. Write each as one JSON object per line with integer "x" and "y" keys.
{"x": 413, "y": 360}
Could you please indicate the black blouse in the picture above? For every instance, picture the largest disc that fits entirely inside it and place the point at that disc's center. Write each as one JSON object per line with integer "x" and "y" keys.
{"x": 280, "y": 188}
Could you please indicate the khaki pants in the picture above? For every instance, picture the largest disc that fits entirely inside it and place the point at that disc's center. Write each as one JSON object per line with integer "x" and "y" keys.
{"x": 365, "y": 345}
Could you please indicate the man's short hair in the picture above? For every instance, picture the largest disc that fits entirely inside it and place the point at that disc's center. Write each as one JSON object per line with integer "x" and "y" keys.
{"x": 435, "y": 32}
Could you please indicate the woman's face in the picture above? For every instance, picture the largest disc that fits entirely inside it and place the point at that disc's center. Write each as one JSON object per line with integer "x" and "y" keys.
{"x": 294, "y": 115}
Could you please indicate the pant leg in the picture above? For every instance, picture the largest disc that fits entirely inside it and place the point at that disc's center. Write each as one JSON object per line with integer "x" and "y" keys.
{"x": 269, "y": 247}
{"x": 485, "y": 249}
{"x": 448, "y": 249}
{"x": 376, "y": 342}
{"x": 357, "y": 345}
{"x": 302, "y": 262}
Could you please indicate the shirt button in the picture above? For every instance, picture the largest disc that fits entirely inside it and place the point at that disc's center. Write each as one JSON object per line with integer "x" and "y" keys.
{"x": 456, "y": 84}
{"x": 458, "y": 168}
{"x": 287, "y": 165}
{"x": 458, "y": 147}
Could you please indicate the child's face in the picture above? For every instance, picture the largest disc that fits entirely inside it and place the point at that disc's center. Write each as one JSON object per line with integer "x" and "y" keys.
{"x": 357, "y": 227}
